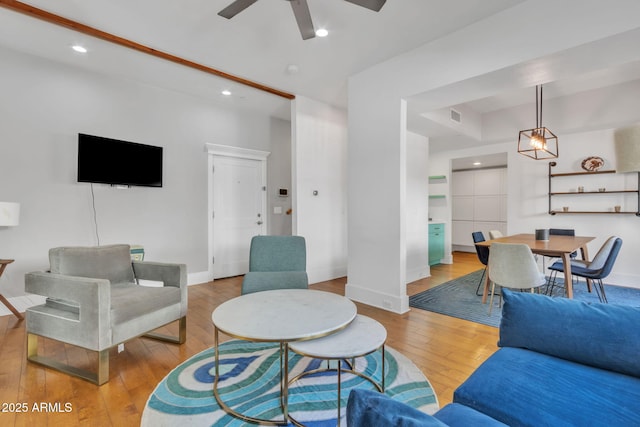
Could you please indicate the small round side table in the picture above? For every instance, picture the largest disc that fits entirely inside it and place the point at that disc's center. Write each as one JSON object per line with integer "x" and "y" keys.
{"x": 363, "y": 336}
{"x": 3, "y": 265}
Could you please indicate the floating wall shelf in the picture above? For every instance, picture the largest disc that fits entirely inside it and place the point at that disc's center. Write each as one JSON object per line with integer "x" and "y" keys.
{"x": 589, "y": 193}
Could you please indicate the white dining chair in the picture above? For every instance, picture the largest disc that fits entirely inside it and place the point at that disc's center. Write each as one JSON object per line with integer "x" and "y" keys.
{"x": 495, "y": 234}
{"x": 512, "y": 265}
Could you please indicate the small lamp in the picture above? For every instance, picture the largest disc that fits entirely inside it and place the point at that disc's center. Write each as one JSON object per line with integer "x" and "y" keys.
{"x": 538, "y": 143}
{"x": 627, "y": 146}
{"x": 9, "y": 214}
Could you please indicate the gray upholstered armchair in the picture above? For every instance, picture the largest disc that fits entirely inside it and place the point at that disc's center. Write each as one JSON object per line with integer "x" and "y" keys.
{"x": 94, "y": 301}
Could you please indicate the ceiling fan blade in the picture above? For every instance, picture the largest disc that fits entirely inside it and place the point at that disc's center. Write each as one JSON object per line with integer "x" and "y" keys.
{"x": 303, "y": 18}
{"x": 236, "y": 7}
{"x": 374, "y": 5}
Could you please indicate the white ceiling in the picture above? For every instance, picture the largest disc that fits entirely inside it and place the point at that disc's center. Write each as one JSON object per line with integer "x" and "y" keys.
{"x": 261, "y": 42}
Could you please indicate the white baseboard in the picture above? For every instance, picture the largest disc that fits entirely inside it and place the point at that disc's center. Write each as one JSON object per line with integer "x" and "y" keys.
{"x": 197, "y": 278}
{"x": 418, "y": 273}
{"x": 387, "y": 302}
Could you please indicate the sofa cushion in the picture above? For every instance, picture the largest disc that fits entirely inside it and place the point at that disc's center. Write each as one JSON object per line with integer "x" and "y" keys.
{"x": 524, "y": 388}
{"x": 111, "y": 262}
{"x": 457, "y": 415}
{"x": 367, "y": 408}
{"x": 606, "y": 336}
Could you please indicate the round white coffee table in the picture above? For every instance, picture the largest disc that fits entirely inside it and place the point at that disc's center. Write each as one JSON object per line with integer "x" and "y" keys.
{"x": 363, "y": 336}
{"x": 283, "y": 316}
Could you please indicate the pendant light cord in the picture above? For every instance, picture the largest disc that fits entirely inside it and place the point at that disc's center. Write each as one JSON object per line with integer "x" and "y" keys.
{"x": 540, "y": 123}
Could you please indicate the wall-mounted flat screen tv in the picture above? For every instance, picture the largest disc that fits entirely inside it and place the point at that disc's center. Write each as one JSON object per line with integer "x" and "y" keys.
{"x": 111, "y": 161}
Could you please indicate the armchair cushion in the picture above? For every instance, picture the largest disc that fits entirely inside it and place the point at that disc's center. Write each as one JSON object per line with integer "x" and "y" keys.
{"x": 130, "y": 301}
{"x": 112, "y": 262}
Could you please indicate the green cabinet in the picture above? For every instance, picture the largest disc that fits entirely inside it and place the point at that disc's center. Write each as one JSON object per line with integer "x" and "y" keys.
{"x": 436, "y": 243}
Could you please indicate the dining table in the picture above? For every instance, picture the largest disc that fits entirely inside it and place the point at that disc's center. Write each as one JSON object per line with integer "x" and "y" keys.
{"x": 557, "y": 246}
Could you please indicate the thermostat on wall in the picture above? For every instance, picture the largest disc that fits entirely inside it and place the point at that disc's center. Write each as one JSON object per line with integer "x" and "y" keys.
{"x": 283, "y": 192}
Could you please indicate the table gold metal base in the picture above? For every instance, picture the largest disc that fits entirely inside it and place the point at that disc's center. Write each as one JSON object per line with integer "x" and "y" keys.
{"x": 284, "y": 387}
{"x": 379, "y": 386}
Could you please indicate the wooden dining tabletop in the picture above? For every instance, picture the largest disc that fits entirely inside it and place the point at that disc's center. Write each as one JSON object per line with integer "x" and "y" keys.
{"x": 556, "y": 246}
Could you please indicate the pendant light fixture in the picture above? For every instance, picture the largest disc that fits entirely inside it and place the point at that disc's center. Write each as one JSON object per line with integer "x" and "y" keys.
{"x": 538, "y": 143}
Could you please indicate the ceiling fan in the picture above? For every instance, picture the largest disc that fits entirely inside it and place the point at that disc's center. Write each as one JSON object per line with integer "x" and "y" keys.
{"x": 300, "y": 10}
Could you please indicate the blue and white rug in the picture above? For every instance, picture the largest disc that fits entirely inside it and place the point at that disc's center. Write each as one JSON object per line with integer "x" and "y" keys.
{"x": 249, "y": 383}
{"x": 457, "y": 298}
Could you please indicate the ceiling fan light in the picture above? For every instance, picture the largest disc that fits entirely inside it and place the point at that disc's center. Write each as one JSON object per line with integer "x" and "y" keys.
{"x": 78, "y": 48}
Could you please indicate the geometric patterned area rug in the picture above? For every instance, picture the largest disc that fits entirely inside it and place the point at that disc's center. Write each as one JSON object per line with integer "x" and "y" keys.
{"x": 457, "y": 298}
{"x": 249, "y": 383}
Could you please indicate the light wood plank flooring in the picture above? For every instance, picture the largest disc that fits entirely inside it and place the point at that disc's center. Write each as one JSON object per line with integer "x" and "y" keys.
{"x": 446, "y": 349}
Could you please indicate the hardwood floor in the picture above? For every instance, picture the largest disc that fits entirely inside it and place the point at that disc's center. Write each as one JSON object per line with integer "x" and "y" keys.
{"x": 446, "y": 349}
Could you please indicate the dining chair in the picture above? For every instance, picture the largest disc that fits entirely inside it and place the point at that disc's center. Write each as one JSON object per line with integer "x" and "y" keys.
{"x": 596, "y": 269}
{"x": 512, "y": 265}
{"x": 564, "y": 232}
{"x": 495, "y": 234}
{"x": 483, "y": 256}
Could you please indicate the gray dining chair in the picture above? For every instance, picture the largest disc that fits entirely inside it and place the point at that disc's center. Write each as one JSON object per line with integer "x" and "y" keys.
{"x": 512, "y": 265}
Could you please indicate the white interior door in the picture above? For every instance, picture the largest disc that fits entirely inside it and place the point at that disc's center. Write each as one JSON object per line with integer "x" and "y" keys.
{"x": 239, "y": 208}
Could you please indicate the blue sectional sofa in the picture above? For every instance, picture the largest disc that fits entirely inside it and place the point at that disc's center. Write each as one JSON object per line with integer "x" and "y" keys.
{"x": 560, "y": 363}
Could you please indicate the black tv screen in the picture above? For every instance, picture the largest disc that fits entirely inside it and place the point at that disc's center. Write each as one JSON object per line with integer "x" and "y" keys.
{"x": 111, "y": 161}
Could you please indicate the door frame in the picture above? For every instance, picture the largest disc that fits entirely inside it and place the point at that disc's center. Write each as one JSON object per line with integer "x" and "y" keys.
{"x": 216, "y": 150}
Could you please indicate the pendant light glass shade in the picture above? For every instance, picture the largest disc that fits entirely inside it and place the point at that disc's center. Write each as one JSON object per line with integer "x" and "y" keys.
{"x": 538, "y": 143}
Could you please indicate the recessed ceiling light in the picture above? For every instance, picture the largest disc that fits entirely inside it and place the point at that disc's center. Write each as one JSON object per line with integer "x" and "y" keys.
{"x": 79, "y": 49}
{"x": 476, "y": 163}
{"x": 322, "y": 32}
{"x": 226, "y": 92}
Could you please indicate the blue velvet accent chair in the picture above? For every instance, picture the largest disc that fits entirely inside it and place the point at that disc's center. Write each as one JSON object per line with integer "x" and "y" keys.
{"x": 550, "y": 370}
{"x": 276, "y": 262}
{"x": 94, "y": 301}
{"x": 597, "y": 269}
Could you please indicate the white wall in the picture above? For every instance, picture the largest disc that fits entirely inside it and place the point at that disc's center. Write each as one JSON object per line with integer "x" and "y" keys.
{"x": 43, "y": 107}
{"x": 319, "y": 145}
{"x": 417, "y": 207}
{"x": 279, "y": 176}
{"x": 445, "y": 72}
{"x": 527, "y": 201}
